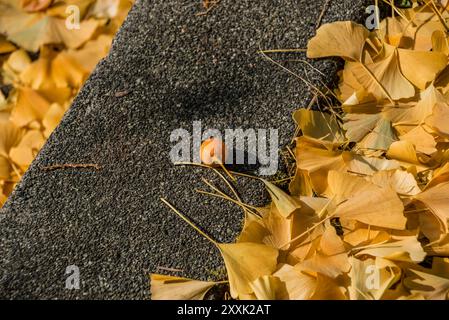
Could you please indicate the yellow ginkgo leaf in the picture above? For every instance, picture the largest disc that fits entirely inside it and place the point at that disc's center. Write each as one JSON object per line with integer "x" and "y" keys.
{"x": 422, "y": 33}
{"x": 358, "y": 125}
{"x": 361, "y": 200}
{"x": 348, "y": 85}
{"x": 35, "y": 5}
{"x": 416, "y": 113}
{"x": 440, "y": 266}
{"x": 57, "y": 95}
{"x": 331, "y": 243}
{"x": 392, "y": 31}
{"x": 37, "y": 75}
{"x": 6, "y": 46}
{"x": 366, "y": 207}
{"x": 266, "y": 287}
{"x": 439, "y": 42}
{"x": 438, "y": 119}
{"x": 10, "y": 136}
{"x": 326, "y": 254}
{"x": 431, "y": 287}
{"x": 402, "y": 182}
{"x": 52, "y": 118}
{"x": 30, "y": 107}
{"x": 403, "y": 151}
{"x": 71, "y": 67}
{"x": 361, "y": 102}
{"x": 280, "y": 228}
{"x": 175, "y": 288}
{"x": 406, "y": 248}
{"x": 25, "y": 152}
{"x": 370, "y": 278}
{"x": 301, "y": 185}
{"x": 90, "y": 53}
{"x": 342, "y": 39}
{"x": 317, "y": 162}
{"x": 327, "y": 288}
{"x": 253, "y": 229}
{"x": 318, "y": 125}
{"x": 66, "y": 69}
{"x": 384, "y": 78}
{"x": 16, "y": 63}
{"x": 307, "y": 247}
{"x": 32, "y": 30}
{"x": 59, "y": 8}
{"x": 369, "y": 165}
{"x": 373, "y": 131}
{"x": 373, "y": 50}
{"x": 440, "y": 175}
{"x": 430, "y": 226}
{"x": 3, "y": 198}
{"x": 245, "y": 262}
{"x": 360, "y": 236}
{"x": 421, "y": 67}
{"x": 285, "y": 203}
{"x": 312, "y": 212}
{"x": 67, "y": 72}
{"x": 400, "y": 292}
{"x": 298, "y": 285}
{"x": 437, "y": 200}
{"x": 331, "y": 266}
{"x": 380, "y": 138}
{"x": 105, "y": 8}
{"x": 342, "y": 186}
{"x": 423, "y": 141}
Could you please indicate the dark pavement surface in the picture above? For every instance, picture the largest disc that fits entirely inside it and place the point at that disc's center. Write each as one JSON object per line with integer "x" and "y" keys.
{"x": 177, "y": 67}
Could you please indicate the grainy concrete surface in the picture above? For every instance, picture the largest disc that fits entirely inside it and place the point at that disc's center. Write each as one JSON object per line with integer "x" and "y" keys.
{"x": 177, "y": 68}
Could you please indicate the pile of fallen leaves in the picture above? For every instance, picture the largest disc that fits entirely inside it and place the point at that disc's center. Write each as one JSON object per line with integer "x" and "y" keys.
{"x": 45, "y": 58}
{"x": 367, "y": 212}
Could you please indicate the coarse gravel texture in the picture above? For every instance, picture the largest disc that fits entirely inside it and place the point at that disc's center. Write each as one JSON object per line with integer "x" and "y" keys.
{"x": 176, "y": 67}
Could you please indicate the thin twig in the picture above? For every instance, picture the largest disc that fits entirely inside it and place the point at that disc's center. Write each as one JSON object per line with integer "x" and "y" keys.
{"x": 394, "y": 9}
{"x": 244, "y": 206}
{"x": 209, "y": 167}
{"x": 435, "y": 9}
{"x": 119, "y": 94}
{"x": 307, "y": 83}
{"x": 16, "y": 170}
{"x": 228, "y": 183}
{"x": 282, "y": 180}
{"x": 323, "y": 12}
{"x": 291, "y": 153}
{"x": 282, "y": 50}
{"x": 72, "y": 166}
{"x": 169, "y": 269}
{"x": 211, "y": 6}
{"x": 183, "y": 217}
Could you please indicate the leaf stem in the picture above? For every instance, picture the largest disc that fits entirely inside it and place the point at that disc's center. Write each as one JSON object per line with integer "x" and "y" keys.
{"x": 183, "y": 217}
